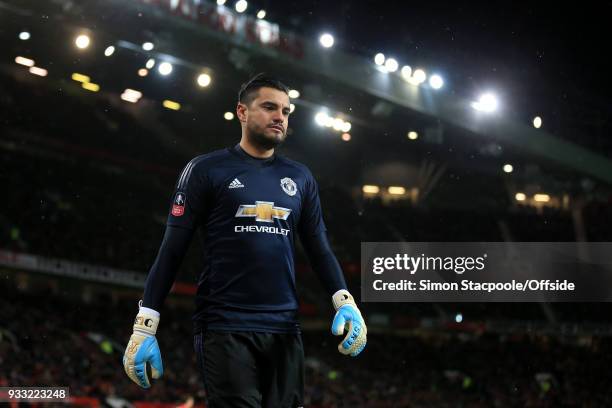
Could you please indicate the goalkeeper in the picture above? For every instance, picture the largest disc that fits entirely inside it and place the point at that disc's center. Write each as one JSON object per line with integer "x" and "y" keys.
{"x": 247, "y": 203}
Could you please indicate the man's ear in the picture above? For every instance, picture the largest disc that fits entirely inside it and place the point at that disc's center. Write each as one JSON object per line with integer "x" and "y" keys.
{"x": 241, "y": 109}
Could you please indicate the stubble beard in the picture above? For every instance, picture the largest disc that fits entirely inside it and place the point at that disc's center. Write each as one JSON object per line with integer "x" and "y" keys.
{"x": 259, "y": 139}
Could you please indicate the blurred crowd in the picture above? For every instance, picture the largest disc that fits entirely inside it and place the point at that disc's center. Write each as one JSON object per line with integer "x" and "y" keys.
{"x": 51, "y": 340}
{"x": 94, "y": 213}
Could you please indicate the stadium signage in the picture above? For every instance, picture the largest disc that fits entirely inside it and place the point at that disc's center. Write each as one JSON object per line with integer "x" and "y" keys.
{"x": 222, "y": 19}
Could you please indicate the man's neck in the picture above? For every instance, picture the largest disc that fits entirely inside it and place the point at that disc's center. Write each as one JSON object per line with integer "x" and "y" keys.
{"x": 255, "y": 151}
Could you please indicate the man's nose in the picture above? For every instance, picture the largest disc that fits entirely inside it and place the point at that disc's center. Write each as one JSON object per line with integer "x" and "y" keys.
{"x": 277, "y": 116}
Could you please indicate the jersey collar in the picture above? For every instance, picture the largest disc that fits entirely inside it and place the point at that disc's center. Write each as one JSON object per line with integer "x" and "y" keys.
{"x": 239, "y": 152}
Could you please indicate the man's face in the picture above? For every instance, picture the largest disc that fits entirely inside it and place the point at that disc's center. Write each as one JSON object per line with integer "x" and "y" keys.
{"x": 266, "y": 117}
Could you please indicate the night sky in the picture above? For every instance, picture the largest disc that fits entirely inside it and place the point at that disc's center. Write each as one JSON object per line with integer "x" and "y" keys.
{"x": 540, "y": 57}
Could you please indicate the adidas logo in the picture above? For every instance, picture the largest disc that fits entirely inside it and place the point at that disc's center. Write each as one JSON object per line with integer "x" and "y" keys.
{"x": 236, "y": 184}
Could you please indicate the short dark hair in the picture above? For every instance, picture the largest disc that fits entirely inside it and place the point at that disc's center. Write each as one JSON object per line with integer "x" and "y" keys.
{"x": 249, "y": 89}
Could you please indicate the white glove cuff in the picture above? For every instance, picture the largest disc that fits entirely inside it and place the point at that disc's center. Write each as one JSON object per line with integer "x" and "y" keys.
{"x": 341, "y": 298}
{"x": 146, "y": 321}
{"x": 148, "y": 312}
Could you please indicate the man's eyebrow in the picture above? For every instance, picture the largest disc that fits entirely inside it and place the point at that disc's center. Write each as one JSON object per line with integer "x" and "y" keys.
{"x": 274, "y": 103}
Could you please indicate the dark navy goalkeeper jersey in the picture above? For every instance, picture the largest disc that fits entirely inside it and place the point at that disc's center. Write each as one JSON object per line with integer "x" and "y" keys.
{"x": 248, "y": 212}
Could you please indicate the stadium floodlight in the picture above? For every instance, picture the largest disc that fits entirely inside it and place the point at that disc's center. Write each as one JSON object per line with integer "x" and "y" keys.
{"x": 165, "y": 68}
{"x": 346, "y": 127}
{"x": 291, "y": 108}
{"x": 204, "y": 80}
{"x": 143, "y": 72}
{"x": 382, "y": 68}
{"x": 90, "y": 86}
{"x": 396, "y": 190}
{"x": 38, "y": 71}
{"x": 294, "y": 94}
{"x": 419, "y": 76}
{"x": 412, "y": 135}
{"x": 487, "y": 103}
{"x": 82, "y": 41}
{"x": 379, "y": 59}
{"x": 241, "y": 6}
{"x": 508, "y": 168}
{"x": 541, "y": 198}
{"x": 261, "y": 14}
{"x": 326, "y": 40}
{"x": 24, "y": 35}
{"x": 221, "y": 2}
{"x": 129, "y": 98}
{"x": 133, "y": 93}
{"x": 458, "y": 318}
{"x": 537, "y": 122}
{"x": 150, "y": 63}
{"x": 406, "y": 72}
{"x": 110, "y": 50}
{"x": 147, "y": 46}
{"x": 80, "y": 78}
{"x": 24, "y": 61}
{"x": 338, "y": 124}
{"x": 346, "y": 137}
{"x": 436, "y": 81}
{"x": 172, "y": 105}
{"x": 321, "y": 118}
{"x": 520, "y": 196}
{"x": 329, "y": 122}
{"x": 370, "y": 189}
{"x": 391, "y": 65}
{"x": 228, "y": 115}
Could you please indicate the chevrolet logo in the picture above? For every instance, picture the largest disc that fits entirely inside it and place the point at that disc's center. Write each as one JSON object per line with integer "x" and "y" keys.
{"x": 263, "y": 211}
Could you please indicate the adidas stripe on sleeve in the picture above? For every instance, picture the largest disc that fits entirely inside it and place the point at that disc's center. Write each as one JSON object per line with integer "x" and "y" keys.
{"x": 188, "y": 200}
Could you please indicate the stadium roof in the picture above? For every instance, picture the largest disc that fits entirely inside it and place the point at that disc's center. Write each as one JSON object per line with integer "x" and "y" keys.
{"x": 381, "y": 110}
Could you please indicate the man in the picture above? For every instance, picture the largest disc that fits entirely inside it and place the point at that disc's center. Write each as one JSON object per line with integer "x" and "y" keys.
{"x": 247, "y": 203}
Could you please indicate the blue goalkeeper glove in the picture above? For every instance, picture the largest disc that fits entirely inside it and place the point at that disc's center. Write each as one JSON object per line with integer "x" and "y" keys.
{"x": 348, "y": 318}
{"x": 142, "y": 350}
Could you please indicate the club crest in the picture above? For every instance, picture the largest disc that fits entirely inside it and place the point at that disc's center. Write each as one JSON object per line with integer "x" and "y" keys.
{"x": 288, "y": 186}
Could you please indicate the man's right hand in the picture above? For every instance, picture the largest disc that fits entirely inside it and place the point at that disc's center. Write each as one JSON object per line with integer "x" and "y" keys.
{"x": 143, "y": 349}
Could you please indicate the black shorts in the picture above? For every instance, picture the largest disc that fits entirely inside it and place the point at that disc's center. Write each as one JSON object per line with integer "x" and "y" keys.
{"x": 249, "y": 369}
